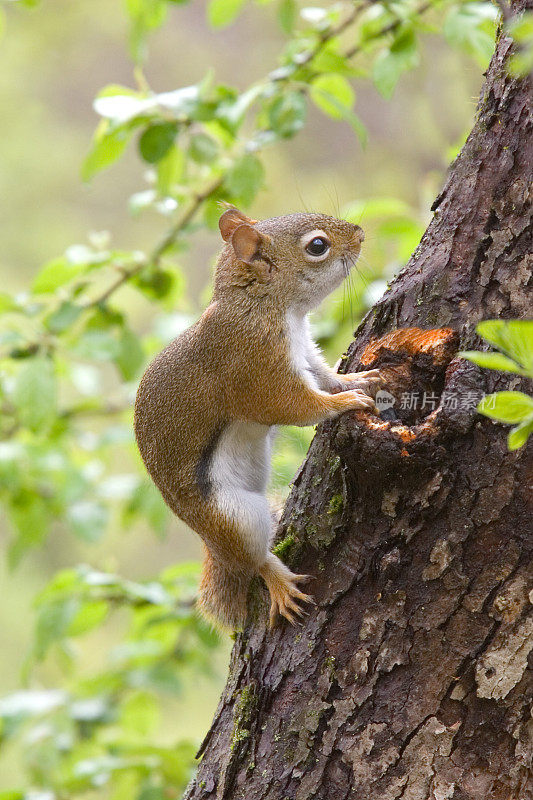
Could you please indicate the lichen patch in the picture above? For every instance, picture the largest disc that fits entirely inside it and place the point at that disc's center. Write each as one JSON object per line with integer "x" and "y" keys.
{"x": 501, "y": 667}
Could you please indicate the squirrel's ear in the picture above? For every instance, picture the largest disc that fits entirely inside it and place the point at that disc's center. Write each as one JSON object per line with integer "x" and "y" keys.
{"x": 246, "y": 242}
{"x": 230, "y": 220}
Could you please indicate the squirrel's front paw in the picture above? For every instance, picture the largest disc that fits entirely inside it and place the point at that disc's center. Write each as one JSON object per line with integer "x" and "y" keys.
{"x": 368, "y": 382}
{"x": 358, "y": 400}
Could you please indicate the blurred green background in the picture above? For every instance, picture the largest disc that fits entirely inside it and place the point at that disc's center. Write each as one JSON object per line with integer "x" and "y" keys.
{"x": 54, "y": 59}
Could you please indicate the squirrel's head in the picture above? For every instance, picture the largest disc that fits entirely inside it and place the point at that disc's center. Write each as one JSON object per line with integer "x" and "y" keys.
{"x": 296, "y": 259}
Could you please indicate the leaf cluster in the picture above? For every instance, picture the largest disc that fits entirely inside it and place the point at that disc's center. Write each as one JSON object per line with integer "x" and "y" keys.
{"x": 97, "y": 732}
{"x": 514, "y": 341}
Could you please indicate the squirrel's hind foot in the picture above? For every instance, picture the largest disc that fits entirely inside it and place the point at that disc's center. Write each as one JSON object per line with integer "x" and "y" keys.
{"x": 285, "y": 597}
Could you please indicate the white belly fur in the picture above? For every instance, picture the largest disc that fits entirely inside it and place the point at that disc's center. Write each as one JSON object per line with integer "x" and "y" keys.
{"x": 301, "y": 347}
{"x": 239, "y": 474}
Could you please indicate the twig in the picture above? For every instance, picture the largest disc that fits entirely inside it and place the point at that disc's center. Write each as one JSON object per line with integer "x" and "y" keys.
{"x": 82, "y": 410}
{"x": 389, "y": 28}
{"x": 181, "y": 223}
{"x": 332, "y": 33}
{"x": 160, "y": 249}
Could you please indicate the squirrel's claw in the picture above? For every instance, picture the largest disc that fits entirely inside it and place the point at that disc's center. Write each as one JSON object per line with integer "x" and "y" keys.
{"x": 286, "y": 606}
{"x": 288, "y": 609}
{"x": 367, "y": 382}
{"x": 285, "y": 596}
{"x": 297, "y": 578}
{"x": 364, "y": 402}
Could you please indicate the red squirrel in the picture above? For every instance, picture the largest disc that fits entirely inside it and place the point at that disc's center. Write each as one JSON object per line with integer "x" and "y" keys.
{"x": 208, "y": 403}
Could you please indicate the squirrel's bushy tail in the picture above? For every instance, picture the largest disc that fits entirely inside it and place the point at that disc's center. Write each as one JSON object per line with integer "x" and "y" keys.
{"x": 223, "y": 593}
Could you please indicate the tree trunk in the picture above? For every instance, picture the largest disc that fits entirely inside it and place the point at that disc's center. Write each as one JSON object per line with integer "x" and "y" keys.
{"x": 409, "y": 679}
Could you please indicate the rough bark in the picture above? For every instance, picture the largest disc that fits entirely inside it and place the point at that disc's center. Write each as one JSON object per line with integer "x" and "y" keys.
{"x": 410, "y": 678}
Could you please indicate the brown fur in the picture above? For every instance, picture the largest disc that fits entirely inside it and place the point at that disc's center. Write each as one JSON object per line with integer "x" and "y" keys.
{"x": 234, "y": 364}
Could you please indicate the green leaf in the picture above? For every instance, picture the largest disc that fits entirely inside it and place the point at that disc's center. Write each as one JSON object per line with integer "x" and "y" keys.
{"x": 130, "y": 357}
{"x": 35, "y": 394}
{"x": 160, "y": 284}
{"x": 333, "y": 94}
{"x": 232, "y": 110}
{"x": 89, "y": 615}
{"x": 54, "y": 274}
{"x": 203, "y": 148}
{"x": 156, "y": 141}
{"x": 52, "y": 622}
{"x": 405, "y": 232}
{"x": 470, "y": 27}
{"x": 518, "y": 436}
{"x": 211, "y": 213}
{"x": 222, "y": 13}
{"x": 104, "y": 318}
{"x": 100, "y": 345}
{"x": 491, "y": 360}
{"x": 7, "y": 303}
{"x": 118, "y": 90}
{"x": 521, "y": 29}
{"x": 170, "y": 170}
{"x": 151, "y": 11}
{"x": 391, "y": 63}
{"x": 63, "y": 317}
{"x": 149, "y": 793}
{"x": 245, "y": 178}
{"x": 521, "y": 63}
{"x": 386, "y": 72}
{"x": 177, "y": 762}
{"x": 507, "y": 406}
{"x": 146, "y": 16}
{"x": 337, "y": 104}
{"x": 514, "y": 337}
{"x": 286, "y": 115}
{"x": 108, "y": 146}
{"x": 287, "y": 15}
{"x": 329, "y": 59}
{"x": 30, "y": 516}
{"x": 62, "y": 584}
{"x": 140, "y": 713}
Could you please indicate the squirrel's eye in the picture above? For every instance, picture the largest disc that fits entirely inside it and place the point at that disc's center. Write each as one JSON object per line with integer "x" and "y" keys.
{"x": 317, "y": 246}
